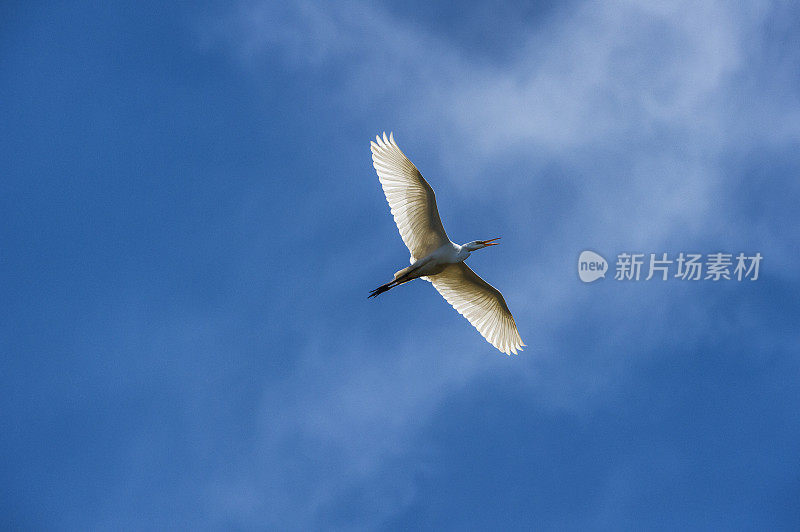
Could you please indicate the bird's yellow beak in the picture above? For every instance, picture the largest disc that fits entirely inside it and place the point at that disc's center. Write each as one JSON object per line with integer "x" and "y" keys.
{"x": 491, "y": 242}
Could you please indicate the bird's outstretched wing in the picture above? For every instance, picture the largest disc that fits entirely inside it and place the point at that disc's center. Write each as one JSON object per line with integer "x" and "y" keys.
{"x": 481, "y": 303}
{"x": 410, "y": 198}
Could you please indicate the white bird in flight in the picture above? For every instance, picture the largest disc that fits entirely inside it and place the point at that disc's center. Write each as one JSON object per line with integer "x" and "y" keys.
{"x": 434, "y": 257}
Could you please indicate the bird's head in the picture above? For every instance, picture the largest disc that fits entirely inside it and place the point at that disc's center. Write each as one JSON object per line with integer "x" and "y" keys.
{"x": 480, "y": 244}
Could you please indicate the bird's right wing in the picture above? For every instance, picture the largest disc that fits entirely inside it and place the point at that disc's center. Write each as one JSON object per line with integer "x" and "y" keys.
{"x": 411, "y": 198}
{"x": 481, "y": 303}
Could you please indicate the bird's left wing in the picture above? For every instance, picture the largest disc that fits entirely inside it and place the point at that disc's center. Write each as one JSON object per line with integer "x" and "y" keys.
{"x": 411, "y": 198}
{"x": 481, "y": 303}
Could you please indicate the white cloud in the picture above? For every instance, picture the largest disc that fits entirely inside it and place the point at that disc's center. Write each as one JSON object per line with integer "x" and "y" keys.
{"x": 653, "y": 85}
{"x": 641, "y": 100}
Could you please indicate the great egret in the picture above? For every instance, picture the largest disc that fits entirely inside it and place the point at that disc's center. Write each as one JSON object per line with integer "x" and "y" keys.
{"x": 433, "y": 256}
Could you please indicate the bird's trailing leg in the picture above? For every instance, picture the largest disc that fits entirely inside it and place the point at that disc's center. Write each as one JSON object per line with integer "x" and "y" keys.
{"x": 402, "y": 276}
{"x": 386, "y": 287}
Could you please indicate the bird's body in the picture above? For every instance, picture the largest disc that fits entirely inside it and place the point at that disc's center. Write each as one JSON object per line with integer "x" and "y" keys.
{"x": 434, "y": 263}
{"x": 434, "y": 257}
{"x": 449, "y": 253}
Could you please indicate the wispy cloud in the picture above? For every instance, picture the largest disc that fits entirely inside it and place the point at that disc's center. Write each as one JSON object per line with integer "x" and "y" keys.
{"x": 662, "y": 93}
{"x": 639, "y": 106}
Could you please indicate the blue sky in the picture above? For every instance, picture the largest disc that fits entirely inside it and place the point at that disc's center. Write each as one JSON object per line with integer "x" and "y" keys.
{"x": 191, "y": 224}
